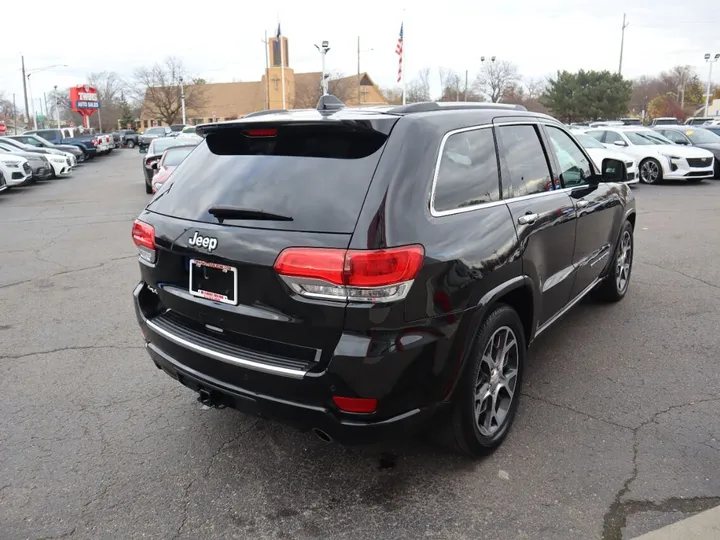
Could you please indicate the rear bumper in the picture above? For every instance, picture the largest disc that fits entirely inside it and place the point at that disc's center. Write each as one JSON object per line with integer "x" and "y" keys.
{"x": 191, "y": 368}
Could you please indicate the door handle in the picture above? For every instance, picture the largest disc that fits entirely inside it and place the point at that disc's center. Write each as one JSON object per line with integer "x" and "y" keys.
{"x": 527, "y": 219}
{"x": 582, "y": 203}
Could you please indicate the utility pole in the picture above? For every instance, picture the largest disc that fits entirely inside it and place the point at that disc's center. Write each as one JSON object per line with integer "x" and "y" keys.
{"x": 267, "y": 72}
{"x": 466, "y": 75}
{"x": 57, "y": 108}
{"x": 358, "y": 72}
{"x": 14, "y": 115}
{"x": 182, "y": 101}
{"x": 622, "y": 43}
{"x": 27, "y": 107}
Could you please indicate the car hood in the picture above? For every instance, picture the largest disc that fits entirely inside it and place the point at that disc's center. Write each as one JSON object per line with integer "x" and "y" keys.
{"x": 8, "y": 158}
{"x": 598, "y": 154}
{"x": 163, "y": 174}
{"x": 67, "y": 148}
{"x": 30, "y": 156}
{"x": 682, "y": 151}
{"x": 711, "y": 147}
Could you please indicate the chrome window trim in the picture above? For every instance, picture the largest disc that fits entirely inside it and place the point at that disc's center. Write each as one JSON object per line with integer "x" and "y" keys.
{"x": 501, "y": 201}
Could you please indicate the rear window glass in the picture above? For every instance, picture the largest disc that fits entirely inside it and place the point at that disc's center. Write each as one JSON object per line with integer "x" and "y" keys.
{"x": 175, "y": 156}
{"x": 468, "y": 171}
{"x": 316, "y": 174}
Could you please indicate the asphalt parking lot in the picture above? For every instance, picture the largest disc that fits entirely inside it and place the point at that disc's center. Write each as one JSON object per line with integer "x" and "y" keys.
{"x": 618, "y": 432}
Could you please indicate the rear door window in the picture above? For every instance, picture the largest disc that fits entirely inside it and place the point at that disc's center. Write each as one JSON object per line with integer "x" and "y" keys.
{"x": 526, "y": 162}
{"x": 468, "y": 171}
{"x": 315, "y": 173}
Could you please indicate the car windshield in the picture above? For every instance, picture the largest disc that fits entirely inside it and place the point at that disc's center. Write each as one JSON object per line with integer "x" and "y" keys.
{"x": 44, "y": 141}
{"x": 175, "y": 156}
{"x": 189, "y": 130}
{"x": 155, "y": 131}
{"x": 646, "y": 138}
{"x": 587, "y": 141}
{"x": 702, "y": 136}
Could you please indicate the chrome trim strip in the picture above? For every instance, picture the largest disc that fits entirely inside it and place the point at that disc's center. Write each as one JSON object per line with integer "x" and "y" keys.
{"x": 521, "y": 122}
{"x": 567, "y": 308}
{"x": 222, "y": 357}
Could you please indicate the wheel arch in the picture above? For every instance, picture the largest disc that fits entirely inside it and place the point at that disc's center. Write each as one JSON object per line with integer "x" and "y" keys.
{"x": 520, "y": 294}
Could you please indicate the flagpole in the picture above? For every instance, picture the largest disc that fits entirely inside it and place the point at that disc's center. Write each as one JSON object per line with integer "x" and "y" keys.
{"x": 404, "y": 81}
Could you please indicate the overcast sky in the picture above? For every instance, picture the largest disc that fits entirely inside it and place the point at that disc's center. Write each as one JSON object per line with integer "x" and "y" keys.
{"x": 221, "y": 40}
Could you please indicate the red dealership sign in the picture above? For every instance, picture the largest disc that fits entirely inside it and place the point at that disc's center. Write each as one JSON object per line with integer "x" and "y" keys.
{"x": 84, "y": 99}
{"x": 3, "y": 127}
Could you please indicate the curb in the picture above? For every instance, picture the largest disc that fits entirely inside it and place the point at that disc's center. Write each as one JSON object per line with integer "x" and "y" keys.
{"x": 702, "y": 526}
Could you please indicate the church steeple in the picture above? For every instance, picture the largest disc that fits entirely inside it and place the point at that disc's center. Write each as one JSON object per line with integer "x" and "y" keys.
{"x": 277, "y": 59}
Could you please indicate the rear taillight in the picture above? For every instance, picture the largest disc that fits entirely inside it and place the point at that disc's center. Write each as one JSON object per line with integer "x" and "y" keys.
{"x": 143, "y": 235}
{"x": 95, "y": 142}
{"x": 356, "y": 405}
{"x": 384, "y": 275}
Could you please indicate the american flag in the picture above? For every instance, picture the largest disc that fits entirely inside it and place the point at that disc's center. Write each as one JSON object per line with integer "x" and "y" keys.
{"x": 399, "y": 52}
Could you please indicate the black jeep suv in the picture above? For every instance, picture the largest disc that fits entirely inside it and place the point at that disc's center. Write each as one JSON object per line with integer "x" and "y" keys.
{"x": 356, "y": 271}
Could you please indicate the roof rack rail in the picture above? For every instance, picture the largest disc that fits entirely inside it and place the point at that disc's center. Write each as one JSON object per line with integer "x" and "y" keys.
{"x": 263, "y": 113}
{"x": 427, "y": 106}
{"x": 328, "y": 102}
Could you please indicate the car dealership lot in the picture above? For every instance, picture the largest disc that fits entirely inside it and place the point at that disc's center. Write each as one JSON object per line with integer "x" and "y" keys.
{"x": 618, "y": 432}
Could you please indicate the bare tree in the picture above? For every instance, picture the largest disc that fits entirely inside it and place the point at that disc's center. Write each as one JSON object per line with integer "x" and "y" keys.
{"x": 160, "y": 86}
{"x": 309, "y": 91}
{"x": 535, "y": 87}
{"x": 419, "y": 88}
{"x": 392, "y": 95}
{"x": 6, "y": 108}
{"x": 494, "y": 77}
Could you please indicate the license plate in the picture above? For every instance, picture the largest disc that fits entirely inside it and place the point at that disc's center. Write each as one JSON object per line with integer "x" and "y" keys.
{"x": 213, "y": 281}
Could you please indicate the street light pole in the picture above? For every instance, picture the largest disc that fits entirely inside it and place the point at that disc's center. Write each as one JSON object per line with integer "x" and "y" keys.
{"x": 710, "y": 59}
{"x": 182, "y": 100}
{"x": 27, "y": 108}
{"x": 26, "y": 75}
{"x": 323, "y": 49}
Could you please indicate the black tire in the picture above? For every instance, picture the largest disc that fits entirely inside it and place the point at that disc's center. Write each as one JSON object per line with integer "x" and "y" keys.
{"x": 647, "y": 165}
{"x": 85, "y": 155}
{"x": 148, "y": 187}
{"x": 613, "y": 289}
{"x": 464, "y": 431}
{"x": 130, "y": 144}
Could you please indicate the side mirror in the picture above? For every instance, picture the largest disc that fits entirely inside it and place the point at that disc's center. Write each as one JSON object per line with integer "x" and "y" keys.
{"x": 620, "y": 143}
{"x": 613, "y": 170}
{"x": 154, "y": 166}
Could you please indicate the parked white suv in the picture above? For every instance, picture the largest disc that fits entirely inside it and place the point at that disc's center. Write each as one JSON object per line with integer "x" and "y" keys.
{"x": 16, "y": 170}
{"x": 658, "y": 157}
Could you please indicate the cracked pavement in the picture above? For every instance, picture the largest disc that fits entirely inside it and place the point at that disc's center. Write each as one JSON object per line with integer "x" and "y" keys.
{"x": 618, "y": 432}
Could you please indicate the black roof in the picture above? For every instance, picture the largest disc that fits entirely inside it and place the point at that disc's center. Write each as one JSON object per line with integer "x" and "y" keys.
{"x": 332, "y": 109}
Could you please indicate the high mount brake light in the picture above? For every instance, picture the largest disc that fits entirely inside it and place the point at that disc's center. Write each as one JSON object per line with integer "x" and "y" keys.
{"x": 384, "y": 275}
{"x": 143, "y": 235}
{"x": 260, "y": 132}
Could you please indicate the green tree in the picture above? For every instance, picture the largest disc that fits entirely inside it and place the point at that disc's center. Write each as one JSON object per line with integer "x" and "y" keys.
{"x": 126, "y": 116}
{"x": 587, "y": 95}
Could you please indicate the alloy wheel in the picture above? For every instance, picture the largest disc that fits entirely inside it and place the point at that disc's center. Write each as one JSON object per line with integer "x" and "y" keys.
{"x": 649, "y": 171}
{"x": 623, "y": 262}
{"x": 497, "y": 378}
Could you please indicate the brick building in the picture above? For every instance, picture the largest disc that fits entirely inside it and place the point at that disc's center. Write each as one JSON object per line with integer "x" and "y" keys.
{"x": 228, "y": 101}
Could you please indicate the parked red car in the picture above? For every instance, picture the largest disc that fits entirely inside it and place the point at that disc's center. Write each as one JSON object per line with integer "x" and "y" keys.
{"x": 171, "y": 158}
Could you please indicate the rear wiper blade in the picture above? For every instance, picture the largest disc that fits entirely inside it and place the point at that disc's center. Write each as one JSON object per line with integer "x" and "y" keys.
{"x": 222, "y": 213}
